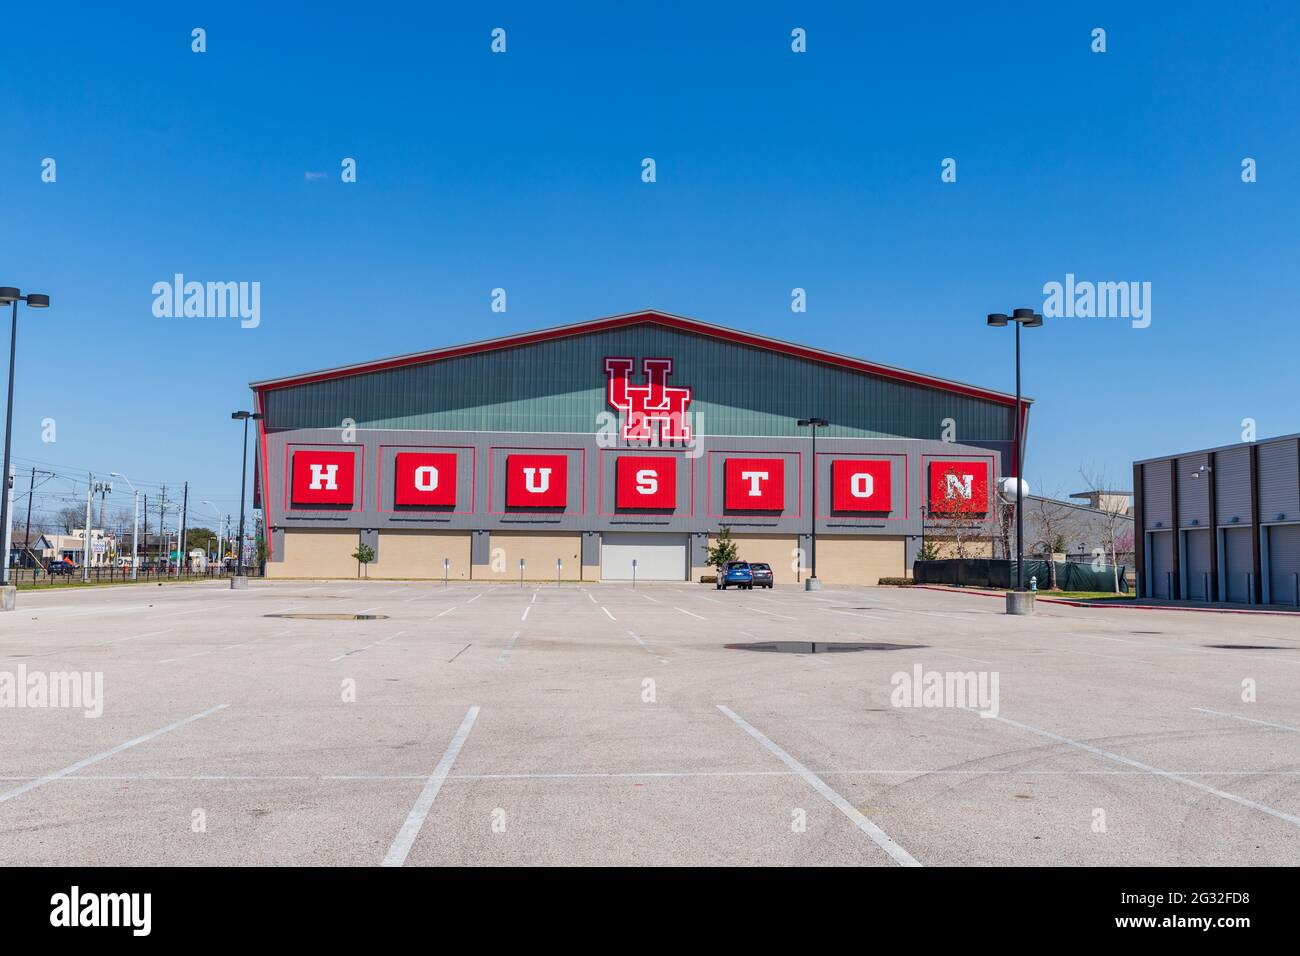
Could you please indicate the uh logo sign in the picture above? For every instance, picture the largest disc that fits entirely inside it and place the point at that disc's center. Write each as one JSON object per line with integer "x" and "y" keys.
{"x": 656, "y": 403}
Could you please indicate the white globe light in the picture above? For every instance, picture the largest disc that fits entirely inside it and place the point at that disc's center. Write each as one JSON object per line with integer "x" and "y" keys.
{"x": 1007, "y": 489}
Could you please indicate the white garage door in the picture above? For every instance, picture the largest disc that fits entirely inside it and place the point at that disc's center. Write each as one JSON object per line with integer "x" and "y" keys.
{"x": 659, "y": 557}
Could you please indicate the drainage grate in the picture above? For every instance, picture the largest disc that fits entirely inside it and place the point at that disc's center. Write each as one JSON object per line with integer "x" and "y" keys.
{"x": 1249, "y": 647}
{"x": 333, "y": 617}
{"x": 816, "y": 647}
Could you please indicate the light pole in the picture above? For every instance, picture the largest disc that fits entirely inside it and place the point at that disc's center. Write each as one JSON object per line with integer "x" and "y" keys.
{"x": 239, "y": 581}
{"x": 135, "y": 527}
{"x": 812, "y": 584}
{"x": 1030, "y": 319}
{"x": 11, "y": 296}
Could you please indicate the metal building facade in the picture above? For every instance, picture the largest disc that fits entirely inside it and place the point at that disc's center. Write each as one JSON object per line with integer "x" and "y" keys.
{"x": 1222, "y": 524}
{"x": 548, "y": 392}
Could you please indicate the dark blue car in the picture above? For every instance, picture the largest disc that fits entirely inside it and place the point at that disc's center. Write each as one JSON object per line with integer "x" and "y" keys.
{"x": 735, "y": 574}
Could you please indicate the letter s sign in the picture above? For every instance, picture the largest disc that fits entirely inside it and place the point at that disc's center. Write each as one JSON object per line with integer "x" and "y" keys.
{"x": 646, "y": 483}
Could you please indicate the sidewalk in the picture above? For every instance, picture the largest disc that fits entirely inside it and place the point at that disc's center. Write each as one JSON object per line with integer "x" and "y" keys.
{"x": 1144, "y": 604}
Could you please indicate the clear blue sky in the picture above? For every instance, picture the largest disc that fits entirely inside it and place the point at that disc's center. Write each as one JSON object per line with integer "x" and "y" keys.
{"x": 775, "y": 170}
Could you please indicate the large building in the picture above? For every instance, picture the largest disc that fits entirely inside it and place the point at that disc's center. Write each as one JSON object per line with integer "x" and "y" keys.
{"x": 1222, "y": 524}
{"x": 618, "y": 446}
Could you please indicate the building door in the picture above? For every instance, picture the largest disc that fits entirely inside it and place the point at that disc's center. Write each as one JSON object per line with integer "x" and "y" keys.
{"x": 1197, "y": 546}
{"x": 658, "y": 556}
{"x": 1284, "y": 563}
{"x": 1162, "y": 564}
{"x": 1238, "y": 563}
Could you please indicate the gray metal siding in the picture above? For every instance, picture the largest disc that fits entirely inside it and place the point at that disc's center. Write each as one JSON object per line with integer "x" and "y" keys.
{"x": 1193, "y": 493}
{"x": 559, "y": 386}
{"x": 1157, "y": 504}
{"x": 1238, "y": 560}
{"x": 1198, "y": 545}
{"x": 1283, "y": 562}
{"x": 1279, "y": 481}
{"x": 1162, "y": 563}
{"x": 1232, "y": 486}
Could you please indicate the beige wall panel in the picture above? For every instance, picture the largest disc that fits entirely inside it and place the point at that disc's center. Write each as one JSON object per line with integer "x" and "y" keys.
{"x": 859, "y": 559}
{"x": 316, "y": 553}
{"x": 539, "y": 551}
{"x": 419, "y": 554}
{"x": 775, "y": 549}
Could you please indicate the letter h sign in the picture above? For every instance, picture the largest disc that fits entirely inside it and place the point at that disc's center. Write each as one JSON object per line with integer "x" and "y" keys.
{"x": 656, "y": 402}
{"x": 323, "y": 477}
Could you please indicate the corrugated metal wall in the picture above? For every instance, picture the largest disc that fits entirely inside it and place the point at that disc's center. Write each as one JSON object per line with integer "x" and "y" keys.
{"x": 1238, "y": 558}
{"x": 1279, "y": 484}
{"x": 1232, "y": 485}
{"x": 1157, "y": 503}
{"x": 1194, "y": 493}
{"x": 559, "y": 386}
{"x": 1162, "y": 563}
{"x": 1283, "y": 562}
{"x": 1198, "y": 544}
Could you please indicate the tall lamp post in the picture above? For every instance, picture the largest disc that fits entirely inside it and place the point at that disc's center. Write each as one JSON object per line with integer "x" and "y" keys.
{"x": 11, "y": 296}
{"x": 812, "y": 584}
{"x": 135, "y": 527}
{"x": 221, "y": 533}
{"x": 1016, "y": 602}
{"x": 239, "y": 580}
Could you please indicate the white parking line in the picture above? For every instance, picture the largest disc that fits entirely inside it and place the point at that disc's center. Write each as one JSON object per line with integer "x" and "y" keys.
{"x": 441, "y": 613}
{"x": 881, "y": 838}
{"x": 73, "y": 768}
{"x": 383, "y": 640}
{"x": 691, "y": 613}
{"x": 526, "y": 610}
{"x": 635, "y": 637}
{"x": 396, "y": 855}
{"x": 1129, "y": 761}
{"x": 1249, "y": 720}
{"x": 509, "y": 647}
{"x": 649, "y": 598}
{"x": 607, "y": 614}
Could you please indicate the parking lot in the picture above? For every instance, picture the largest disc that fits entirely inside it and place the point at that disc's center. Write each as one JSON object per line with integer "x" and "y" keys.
{"x": 600, "y": 724}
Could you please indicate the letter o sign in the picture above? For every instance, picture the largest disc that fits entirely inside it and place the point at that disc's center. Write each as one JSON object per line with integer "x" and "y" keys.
{"x": 858, "y": 485}
{"x": 424, "y": 480}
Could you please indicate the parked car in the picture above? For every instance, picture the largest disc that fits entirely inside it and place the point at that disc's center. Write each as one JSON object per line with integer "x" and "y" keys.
{"x": 735, "y": 574}
{"x": 59, "y": 567}
{"x": 762, "y": 574}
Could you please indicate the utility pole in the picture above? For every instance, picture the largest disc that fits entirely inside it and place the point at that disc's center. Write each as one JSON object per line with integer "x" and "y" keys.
{"x": 162, "y": 527}
{"x": 90, "y": 503}
{"x": 181, "y": 550}
{"x": 145, "y": 512}
{"x": 31, "y": 493}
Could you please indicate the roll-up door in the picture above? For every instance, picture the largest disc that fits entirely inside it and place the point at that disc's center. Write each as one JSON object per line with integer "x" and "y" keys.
{"x": 1162, "y": 563}
{"x": 1283, "y": 563}
{"x": 1239, "y": 563}
{"x": 1198, "y": 544}
{"x": 658, "y": 556}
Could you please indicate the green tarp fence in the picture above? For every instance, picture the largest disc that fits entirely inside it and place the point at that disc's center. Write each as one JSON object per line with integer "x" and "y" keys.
{"x": 998, "y": 573}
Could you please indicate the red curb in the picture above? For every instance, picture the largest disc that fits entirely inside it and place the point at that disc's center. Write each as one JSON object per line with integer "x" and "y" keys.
{"x": 1124, "y": 607}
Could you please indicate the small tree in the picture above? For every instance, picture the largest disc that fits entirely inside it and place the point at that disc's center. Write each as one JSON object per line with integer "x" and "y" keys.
{"x": 1117, "y": 529}
{"x": 962, "y": 521}
{"x": 724, "y": 550}
{"x": 363, "y": 556}
{"x": 1054, "y": 523}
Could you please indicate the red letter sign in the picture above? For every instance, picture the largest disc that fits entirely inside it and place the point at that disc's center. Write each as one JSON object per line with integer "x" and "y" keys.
{"x": 537, "y": 481}
{"x": 425, "y": 480}
{"x": 755, "y": 484}
{"x": 860, "y": 485}
{"x": 959, "y": 487}
{"x": 646, "y": 484}
{"x": 322, "y": 477}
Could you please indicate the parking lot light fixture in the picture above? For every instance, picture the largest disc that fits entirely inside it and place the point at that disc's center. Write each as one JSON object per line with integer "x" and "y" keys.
{"x": 239, "y": 580}
{"x": 11, "y": 296}
{"x": 812, "y": 583}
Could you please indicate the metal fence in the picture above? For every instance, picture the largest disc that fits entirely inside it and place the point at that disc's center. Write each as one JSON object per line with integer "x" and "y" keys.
{"x": 36, "y": 577}
{"x": 998, "y": 573}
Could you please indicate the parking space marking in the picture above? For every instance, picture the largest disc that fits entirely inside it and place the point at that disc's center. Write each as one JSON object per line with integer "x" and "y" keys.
{"x": 396, "y": 855}
{"x": 649, "y": 598}
{"x": 526, "y": 610}
{"x": 441, "y": 613}
{"x": 382, "y": 640}
{"x": 607, "y": 614}
{"x": 879, "y": 836}
{"x": 1129, "y": 761}
{"x": 509, "y": 647}
{"x": 691, "y": 613}
{"x": 635, "y": 637}
{"x": 80, "y": 764}
{"x": 1249, "y": 720}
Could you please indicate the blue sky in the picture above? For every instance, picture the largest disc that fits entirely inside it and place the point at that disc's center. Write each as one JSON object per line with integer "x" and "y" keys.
{"x": 775, "y": 170}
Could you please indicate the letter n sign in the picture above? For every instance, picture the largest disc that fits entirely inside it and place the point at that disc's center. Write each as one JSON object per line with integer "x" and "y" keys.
{"x": 425, "y": 480}
{"x": 537, "y": 481}
{"x": 959, "y": 487}
{"x": 860, "y": 485}
{"x": 755, "y": 484}
{"x": 323, "y": 477}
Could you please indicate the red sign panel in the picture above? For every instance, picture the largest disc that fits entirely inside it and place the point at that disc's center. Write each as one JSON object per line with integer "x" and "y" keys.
{"x": 755, "y": 484}
{"x": 959, "y": 487}
{"x": 323, "y": 477}
{"x": 646, "y": 483}
{"x": 860, "y": 485}
{"x": 537, "y": 481}
{"x": 425, "y": 479}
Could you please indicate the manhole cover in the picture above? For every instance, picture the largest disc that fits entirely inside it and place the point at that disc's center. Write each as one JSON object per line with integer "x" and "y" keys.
{"x": 817, "y": 647}
{"x": 1249, "y": 647}
{"x": 333, "y": 617}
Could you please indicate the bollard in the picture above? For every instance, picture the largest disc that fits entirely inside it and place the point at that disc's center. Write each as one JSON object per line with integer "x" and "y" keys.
{"x": 1033, "y": 583}
{"x": 521, "y": 572}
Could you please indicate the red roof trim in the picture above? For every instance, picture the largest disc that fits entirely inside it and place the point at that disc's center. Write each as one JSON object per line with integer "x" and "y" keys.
{"x": 692, "y": 326}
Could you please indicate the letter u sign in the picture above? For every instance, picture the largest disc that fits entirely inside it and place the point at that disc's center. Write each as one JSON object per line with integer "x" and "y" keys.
{"x": 536, "y": 482}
